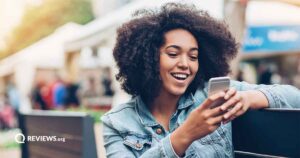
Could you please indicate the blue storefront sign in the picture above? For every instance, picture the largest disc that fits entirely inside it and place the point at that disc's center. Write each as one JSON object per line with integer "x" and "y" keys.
{"x": 270, "y": 39}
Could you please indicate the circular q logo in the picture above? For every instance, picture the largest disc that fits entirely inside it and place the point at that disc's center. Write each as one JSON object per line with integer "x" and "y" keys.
{"x": 20, "y": 138}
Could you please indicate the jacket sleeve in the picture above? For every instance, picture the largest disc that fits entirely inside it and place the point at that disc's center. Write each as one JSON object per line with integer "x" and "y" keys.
{"x": 279, "y": 96}
{"x": 115, "y": 148}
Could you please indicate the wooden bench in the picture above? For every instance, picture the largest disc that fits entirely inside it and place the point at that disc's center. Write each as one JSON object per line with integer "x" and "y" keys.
{"x": 76, "y": 128}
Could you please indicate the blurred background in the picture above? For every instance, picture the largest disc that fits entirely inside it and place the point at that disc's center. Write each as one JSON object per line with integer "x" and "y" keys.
{"x": 57, "y": 54}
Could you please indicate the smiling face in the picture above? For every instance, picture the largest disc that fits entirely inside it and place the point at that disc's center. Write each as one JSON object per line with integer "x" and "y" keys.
{"x": 178, "y": 61}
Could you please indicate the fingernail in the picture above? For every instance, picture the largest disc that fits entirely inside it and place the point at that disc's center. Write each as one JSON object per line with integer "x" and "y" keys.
{"x": 225, "y": 116}
{"x": 223, "y": 108}
{"x": 222, "y": 93}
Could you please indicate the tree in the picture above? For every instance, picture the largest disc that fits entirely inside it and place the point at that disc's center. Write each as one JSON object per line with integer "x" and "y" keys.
{"x": 40, "y": 21}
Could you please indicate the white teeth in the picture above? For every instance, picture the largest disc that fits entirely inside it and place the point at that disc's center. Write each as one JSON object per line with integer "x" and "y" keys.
{"x": 180, "y": 76}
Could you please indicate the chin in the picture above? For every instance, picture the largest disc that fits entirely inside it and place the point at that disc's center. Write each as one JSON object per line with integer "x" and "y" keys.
{"x": 178, "y": 92}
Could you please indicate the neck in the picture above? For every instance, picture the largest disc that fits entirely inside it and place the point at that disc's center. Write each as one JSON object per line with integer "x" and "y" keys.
{"x": 164, "y": 104}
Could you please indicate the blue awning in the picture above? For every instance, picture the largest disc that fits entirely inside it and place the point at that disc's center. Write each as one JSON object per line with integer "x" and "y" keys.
{"x": 271, "y": 39}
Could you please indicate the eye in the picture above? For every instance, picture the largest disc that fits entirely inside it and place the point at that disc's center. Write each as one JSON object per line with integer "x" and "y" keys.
{"x": 194, "y": 58}
{"x": 193, "y": 55}
{"x": 172, "y": 54}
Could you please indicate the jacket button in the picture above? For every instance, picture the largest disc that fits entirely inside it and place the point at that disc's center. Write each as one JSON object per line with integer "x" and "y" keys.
{"x": 138, "y": 145}
{"x": 159, "y": 131}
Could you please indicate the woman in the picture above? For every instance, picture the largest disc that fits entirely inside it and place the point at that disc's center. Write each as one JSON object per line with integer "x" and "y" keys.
{"x": 165, "y": 59}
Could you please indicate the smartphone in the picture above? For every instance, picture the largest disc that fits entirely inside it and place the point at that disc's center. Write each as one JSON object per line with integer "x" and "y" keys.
{"x": 216, "y": 85}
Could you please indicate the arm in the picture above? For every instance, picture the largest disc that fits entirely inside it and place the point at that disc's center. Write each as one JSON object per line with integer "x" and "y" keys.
{"x": 258, "y": 96}
{"x": 278, "y": 96}
{"x": 260, "y": 101}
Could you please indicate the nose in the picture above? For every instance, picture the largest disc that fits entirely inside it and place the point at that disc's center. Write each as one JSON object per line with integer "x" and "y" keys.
{"x": 183, "y": 62}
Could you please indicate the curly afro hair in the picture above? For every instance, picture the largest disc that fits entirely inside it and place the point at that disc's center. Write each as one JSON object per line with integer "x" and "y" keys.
{"x": 138, "y": 41}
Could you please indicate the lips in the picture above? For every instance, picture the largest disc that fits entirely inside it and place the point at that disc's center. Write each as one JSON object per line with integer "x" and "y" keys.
{"x": 180, "y": 76}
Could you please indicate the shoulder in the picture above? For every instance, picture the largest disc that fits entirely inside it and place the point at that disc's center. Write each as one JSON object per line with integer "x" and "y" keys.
{"x": 122, "y": 117}
{"x": 120, "y": 110}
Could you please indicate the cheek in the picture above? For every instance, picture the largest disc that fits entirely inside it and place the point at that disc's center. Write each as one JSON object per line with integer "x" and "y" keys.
{"x": 163, "y": 70}
{"x": 195, "y": 68}
{"x": 166, "y": 65}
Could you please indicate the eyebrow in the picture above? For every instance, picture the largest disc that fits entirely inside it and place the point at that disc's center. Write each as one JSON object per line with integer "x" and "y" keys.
{"x": 177, "y": 47}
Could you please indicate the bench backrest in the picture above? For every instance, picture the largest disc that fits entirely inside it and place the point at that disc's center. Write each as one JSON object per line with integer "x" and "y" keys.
{"x": 274, "y": 132}
{"x": 75, "y": 127}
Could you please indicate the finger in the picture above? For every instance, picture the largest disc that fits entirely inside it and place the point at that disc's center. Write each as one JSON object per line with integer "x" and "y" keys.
{"x": 230, "y": 93}
{"x": 215, "y": 111}
{"x": 228, "y": 120}
{"x": 239, "y": 113}
{"x": 231, "y": 102}
{"x": 206, "y": 104}
{"x": 216, "y": 120}
{"x": 233, "y": 111}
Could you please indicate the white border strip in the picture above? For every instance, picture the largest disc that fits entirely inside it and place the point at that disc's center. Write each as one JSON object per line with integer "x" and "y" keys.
{"x": 257, "y": 155}
{"x": 55, "y": 113}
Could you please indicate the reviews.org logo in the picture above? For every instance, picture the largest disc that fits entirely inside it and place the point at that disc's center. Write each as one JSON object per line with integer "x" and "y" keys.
{"x": 20, "y": 138}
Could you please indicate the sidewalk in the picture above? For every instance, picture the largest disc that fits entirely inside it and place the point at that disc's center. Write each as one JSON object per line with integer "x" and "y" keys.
{"x": 10, "y": 153}
{"x": 7, "y": 137}
{"x": 99, "y": 141}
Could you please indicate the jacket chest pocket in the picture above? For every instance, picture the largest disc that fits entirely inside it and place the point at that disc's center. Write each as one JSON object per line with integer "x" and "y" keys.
{"x": 138, "y": 143}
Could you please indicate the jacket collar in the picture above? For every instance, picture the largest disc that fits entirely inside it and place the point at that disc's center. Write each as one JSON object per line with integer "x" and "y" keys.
{"x": 148, "y": 119}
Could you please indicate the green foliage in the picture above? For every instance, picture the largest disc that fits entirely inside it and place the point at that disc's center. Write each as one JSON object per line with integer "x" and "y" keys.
{"x": 95, "y": 114}
{"x": 12, "y": 144}
{"x": 38, "y": 22}
{"x": 7, "y": 140}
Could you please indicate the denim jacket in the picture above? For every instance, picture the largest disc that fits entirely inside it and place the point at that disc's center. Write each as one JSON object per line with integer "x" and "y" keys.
{"x": 130, "y": 130}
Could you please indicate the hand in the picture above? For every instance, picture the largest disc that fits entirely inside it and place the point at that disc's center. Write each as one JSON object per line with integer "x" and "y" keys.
{"x": 236, "y": 103}
{"x": 201, "y": 122}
